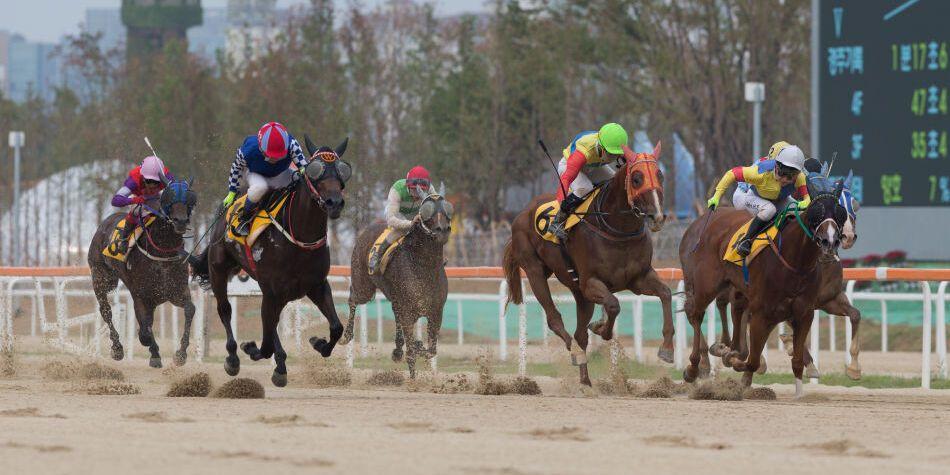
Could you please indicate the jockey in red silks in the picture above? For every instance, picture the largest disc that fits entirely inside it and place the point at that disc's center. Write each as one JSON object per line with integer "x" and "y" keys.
{"x": 143, "y": 184}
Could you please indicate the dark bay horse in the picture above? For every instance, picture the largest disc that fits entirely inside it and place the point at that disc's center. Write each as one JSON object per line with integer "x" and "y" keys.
{"x": 611, "y": 251}
{"x": 290, "y": 261}
{"x": 154, "y": 271}
{"x": 782, "y": 284}
{"x": 831, "y": 299}
{"x": 414, "y": 280}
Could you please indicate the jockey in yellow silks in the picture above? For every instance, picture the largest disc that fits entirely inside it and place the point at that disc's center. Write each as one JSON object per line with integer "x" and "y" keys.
{"x": 771, "y": 184}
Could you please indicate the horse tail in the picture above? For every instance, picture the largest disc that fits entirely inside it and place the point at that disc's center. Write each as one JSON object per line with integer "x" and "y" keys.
{"x": 200, "y": 269}
{"x": 512, "y": 275}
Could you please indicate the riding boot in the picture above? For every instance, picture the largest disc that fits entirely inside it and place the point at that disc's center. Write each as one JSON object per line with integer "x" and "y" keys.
{"x": 568, "y": 205}
{"x": 247, "y": 216}
{"x": 376, "y": 256}
{"x": 744, "y": 247}
{"x": 122, "y": 245}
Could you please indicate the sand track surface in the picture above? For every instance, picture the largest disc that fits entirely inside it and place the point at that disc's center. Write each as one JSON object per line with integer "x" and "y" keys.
{"x": 55, "y": 426}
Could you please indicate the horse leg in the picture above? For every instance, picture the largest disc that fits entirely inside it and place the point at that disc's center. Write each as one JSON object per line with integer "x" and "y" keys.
{"x": 145, "y": 314}
{"x": 184, "y": 302}
{"x": 695, "y": 307}
{"x": 433, "y": 327}
{"x": 650, "y": 284}
{"x": 841, "y": 306}
{"x": 400, "y": 340}
{"x": 219, "y": 286}
{"x": 270, "y": 316}
{"x": 406, "y": 325}
{"x": 585, "y": 310}
{"x": 279, "y": 377}
{"x": 538, "y": 280}
{"x": 322, "y": 296}
{"x": 725, "y": 341}
{"x": 597, "y": 292}
{"x": 350, "y": 321}
{"x": 103, "y": 283}
{"x": 739, "y": 349}
{"x": 758, "y": 334}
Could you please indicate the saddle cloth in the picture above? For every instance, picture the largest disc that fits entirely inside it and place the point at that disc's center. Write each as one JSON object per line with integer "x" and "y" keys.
{"x": 388, "y": 254}
{"x": 260, "y": 223}
{"x": 112, "y": 249}
{"x": 545, "y": 213}
{"x": 760, "y": 242}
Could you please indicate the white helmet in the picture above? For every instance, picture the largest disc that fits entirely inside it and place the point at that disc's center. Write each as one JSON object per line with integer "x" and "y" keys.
{"x": 792, "y": 156}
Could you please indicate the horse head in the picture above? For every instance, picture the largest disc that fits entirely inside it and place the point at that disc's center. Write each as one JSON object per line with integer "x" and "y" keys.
{"x": 178, "y": 200}
{"x": 825, "y": 218}
{"x": 435, "y": 217}
{"x": 849, "y": 233}
{"x": 326, "y": 175}
{"x": 643, "y": 182}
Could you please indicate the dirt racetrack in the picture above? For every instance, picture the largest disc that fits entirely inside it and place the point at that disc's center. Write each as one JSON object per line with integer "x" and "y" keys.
{"x": 53, "y": 426}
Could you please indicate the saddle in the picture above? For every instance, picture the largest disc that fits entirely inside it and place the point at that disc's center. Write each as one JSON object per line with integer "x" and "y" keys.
{"x": 112, "y": 249}
{"x": 761, "y": 241}
{"x": 261, "y": 220}
{"x": 388, "y": 253}
{"x": 544, "y": 214}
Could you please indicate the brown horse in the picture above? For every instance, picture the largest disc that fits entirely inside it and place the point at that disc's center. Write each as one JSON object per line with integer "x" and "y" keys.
{"x": 831, "y": 298}
{"x": 154, "y": 272}
{"x": 289, "y": 262}
{"x": 414, "y": 281}
{"x": 782, "y": 283}
{"x": 610, "y": 249}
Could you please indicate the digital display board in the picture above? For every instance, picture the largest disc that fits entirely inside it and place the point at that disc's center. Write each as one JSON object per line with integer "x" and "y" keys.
{"x": 884, "y": 75}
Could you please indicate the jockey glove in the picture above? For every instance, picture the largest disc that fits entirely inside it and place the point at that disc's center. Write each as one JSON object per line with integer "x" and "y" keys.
{"x": 228, "y": 199}
{"x": 713, "y": 202}
{"x": 139, "y": 200}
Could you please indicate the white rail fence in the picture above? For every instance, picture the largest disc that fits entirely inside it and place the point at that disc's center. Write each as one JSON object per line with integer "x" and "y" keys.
{"x": 295, "y": 322}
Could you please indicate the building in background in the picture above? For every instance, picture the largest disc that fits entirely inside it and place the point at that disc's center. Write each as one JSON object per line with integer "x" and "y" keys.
{"x": 106, "y": 22}
{"x": 31, "y": 69}
{"x": 252, "y": 25}
{"x": 4, "y": 42}
{"x": 150, "y": 24}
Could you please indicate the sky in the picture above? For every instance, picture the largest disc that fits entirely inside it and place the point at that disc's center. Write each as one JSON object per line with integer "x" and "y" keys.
{"x": 50, "y": 20}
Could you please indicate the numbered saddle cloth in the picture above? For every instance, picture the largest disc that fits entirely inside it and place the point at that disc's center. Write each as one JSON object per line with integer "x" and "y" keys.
{"x": 388, "y": 254}
{"x": 760, "y": 242}
{"x": 112, "y": 249}
{"x": 261, "y": 220}
{"x": 545, "y": 213}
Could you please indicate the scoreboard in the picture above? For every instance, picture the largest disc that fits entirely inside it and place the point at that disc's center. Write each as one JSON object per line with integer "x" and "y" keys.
{"x": 883, "y": 80}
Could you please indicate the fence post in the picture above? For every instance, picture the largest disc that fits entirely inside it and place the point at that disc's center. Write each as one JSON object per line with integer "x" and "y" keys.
{"x": 364, "y": 351}
{"x": 883, "y": 326}
{"x": 832, "y": 344}
{"x": 459, "y": 322}
{"x": 816, "y": 321}
{"x": 942, "y": 329}
{"x": 200, "y": 326}
{"x": 848, "y": 329}
{"x": 502, "y": 331}
{"x": 522, "y": 340}
{"x": 379, "y": 322}
{"x": 680, "y": 329}
{"x": 638, "y": 328}
{"x": 129, "y": 327}
{"x": 926, "y": 346}
{"x": 781, "y": 331}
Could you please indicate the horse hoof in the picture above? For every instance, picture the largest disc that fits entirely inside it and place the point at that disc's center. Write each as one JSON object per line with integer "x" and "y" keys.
{"x": 854, "y": 374}
{"x": 155, "y": 362}
{"x": 397, "y": 355}
{"x": 598, "y": 328}
{"x": 726, "y": 362}
{"x": 322, "y": 346}
{"x": 665, "y": 355}
{"x": 249, "y": 347}
{"x": 763, "y": 367}
{"x": 180, "y": 357}
{"x": 118, "y": 353}
{"x": 232, "y": 365}
{"x": 811, "y": 372}
{"x": 279, "y": 380}
{"x": 686, "y": 376}
{"x": 718, "y": 349}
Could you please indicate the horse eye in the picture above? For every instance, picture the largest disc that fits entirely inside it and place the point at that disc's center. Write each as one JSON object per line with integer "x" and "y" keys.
{"x": 659, "y": 176}
{"x": 637, "y": 179}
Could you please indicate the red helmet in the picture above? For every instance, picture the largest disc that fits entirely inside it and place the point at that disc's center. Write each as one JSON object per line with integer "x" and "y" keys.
{"x": 273, "y": 140}
{"x": 418, "y": 177}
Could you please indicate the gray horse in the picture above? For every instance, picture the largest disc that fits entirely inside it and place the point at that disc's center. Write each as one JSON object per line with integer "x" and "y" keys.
{"x": 414, "y": 280}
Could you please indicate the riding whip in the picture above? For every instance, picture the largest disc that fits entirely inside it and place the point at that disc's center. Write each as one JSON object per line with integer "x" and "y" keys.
{"x": 545, "y": 149}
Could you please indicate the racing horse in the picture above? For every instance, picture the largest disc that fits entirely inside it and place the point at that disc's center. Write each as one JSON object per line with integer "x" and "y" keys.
{"x": 289, "y": 260}
{"x": 831, "y": 298}
{"x": 154, "y": 271}
{"x": 781, "y": 283}
{"x": 610, "y": 251}
{"x": 414, "y": 279}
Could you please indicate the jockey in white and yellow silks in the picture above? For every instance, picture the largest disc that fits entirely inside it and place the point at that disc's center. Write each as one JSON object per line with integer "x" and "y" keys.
{"x": 591, "y": 159}
{"x": 771, "y": 185}
{"x": 402, "y": 209}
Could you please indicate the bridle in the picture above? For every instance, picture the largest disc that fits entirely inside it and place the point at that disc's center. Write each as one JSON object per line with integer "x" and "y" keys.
{"x": 182, "y": 196}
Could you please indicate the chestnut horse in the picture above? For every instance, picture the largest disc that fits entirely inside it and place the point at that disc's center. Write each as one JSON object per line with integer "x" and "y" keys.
{"x": 782, "y": 281}
{"x": 289, "y": 262}
{"x": 610, "y": 249}
{"x": 831, "y": 298}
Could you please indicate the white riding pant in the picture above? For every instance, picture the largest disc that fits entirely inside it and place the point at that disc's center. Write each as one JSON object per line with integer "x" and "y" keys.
{"x": 259, "y": 185}
{"x": 756, "y": 205}
{"x": 588, "y": 177}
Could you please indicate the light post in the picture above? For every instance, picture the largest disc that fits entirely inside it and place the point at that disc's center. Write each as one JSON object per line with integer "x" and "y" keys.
{"x": 755, "y": 93}
{"x": 17, "y": 141}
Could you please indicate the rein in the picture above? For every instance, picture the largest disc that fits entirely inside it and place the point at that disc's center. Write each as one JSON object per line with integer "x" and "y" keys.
{"x": 307, "y": 246}
{"x": 151, "y": 242}
{"x": 603, "y": 228}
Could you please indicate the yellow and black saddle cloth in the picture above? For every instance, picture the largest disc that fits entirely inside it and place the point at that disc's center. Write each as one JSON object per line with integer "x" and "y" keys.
{"x": 387, "y": 254}
{"x": 112, "y": 249}
{"x": 758, "y": 244}
{"x": 262, "y": 219}
{"x": 544, "y": 215}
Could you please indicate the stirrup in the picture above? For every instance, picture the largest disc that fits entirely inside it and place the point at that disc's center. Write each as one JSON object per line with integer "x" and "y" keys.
{"x": 374, "y": 260}
{"x": 557, "y": 229}
{"x": 243, "y": 228}
{"x": 744, "y": 247}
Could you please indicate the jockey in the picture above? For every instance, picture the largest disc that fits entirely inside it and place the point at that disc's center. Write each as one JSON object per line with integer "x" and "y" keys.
{"x": 771, "y": 184}
{"x": 266, "y": 157}
{"x": 144, "y": 183}
{"x": 591, "y": 159}
{"x": 402, "y": 209}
